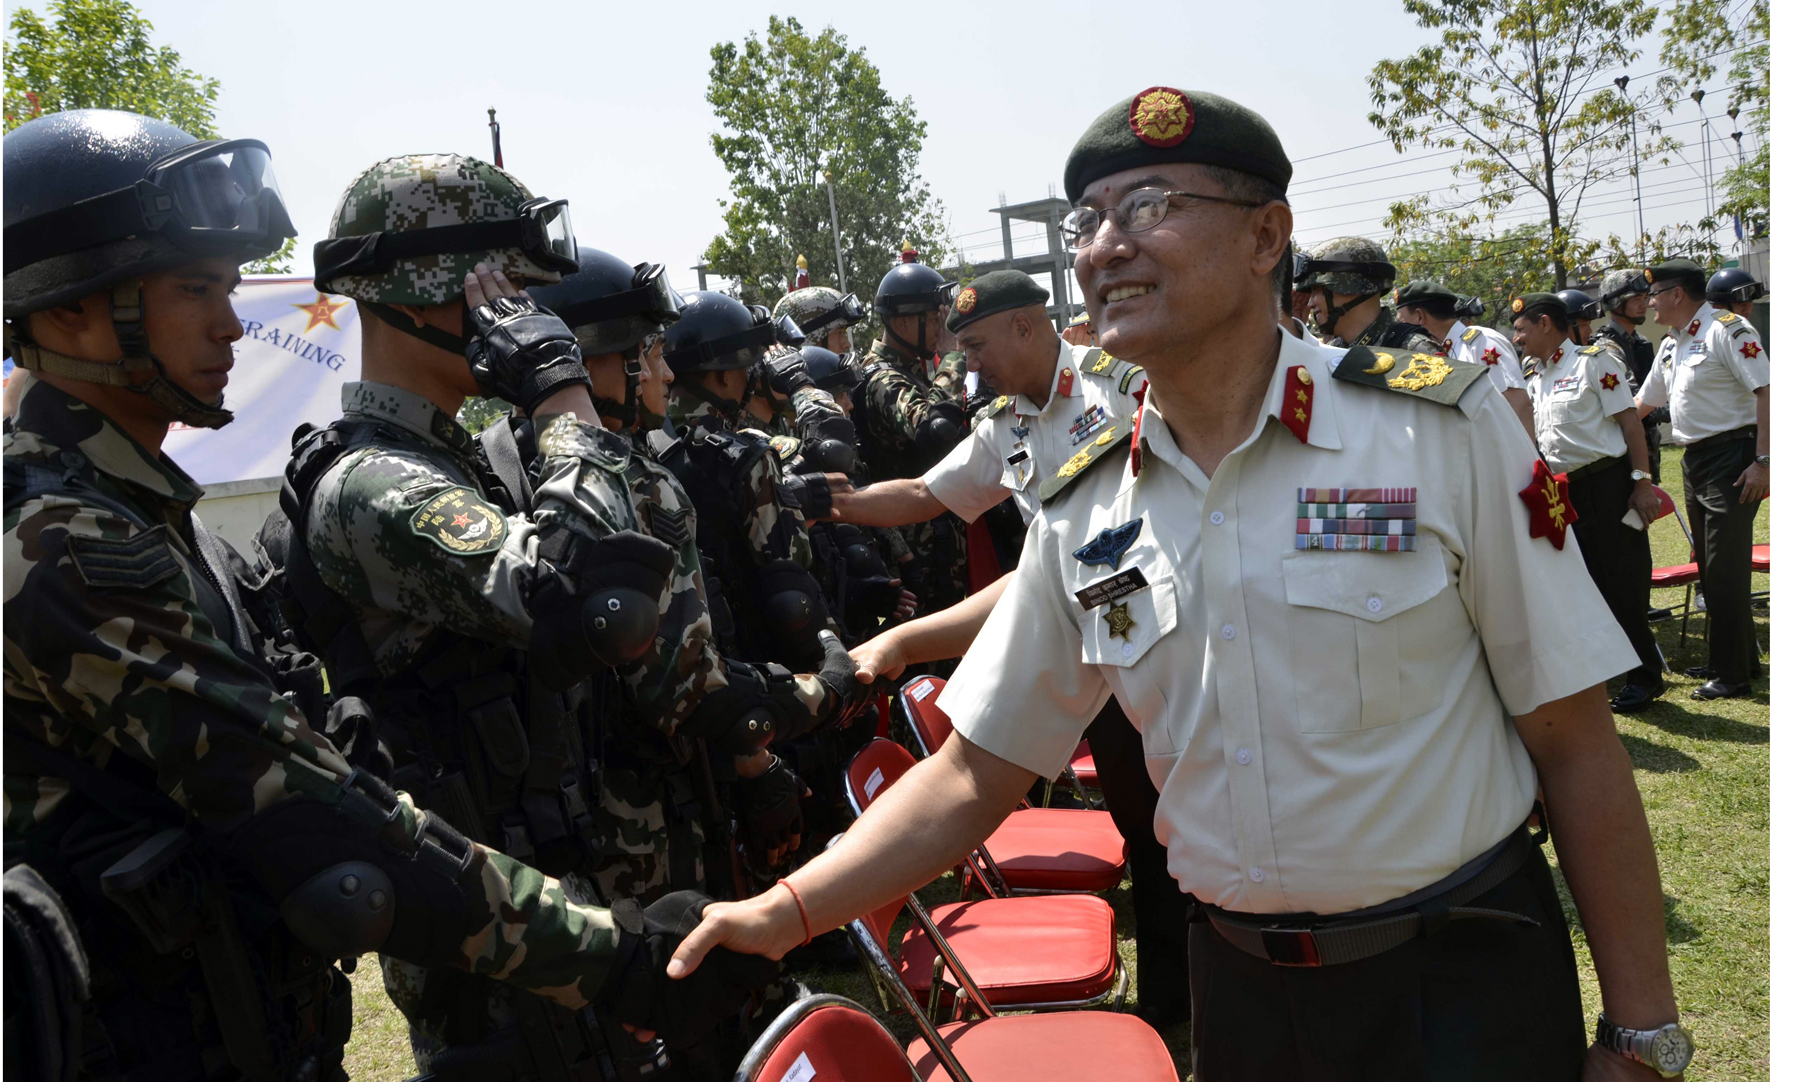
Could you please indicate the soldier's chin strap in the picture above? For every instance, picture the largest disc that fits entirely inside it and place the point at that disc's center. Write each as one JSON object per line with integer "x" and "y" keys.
{"x": 1334, "y": 312}
{"x": 626, "y": 412}
{"x": 127, "y": 310}
{"x": 425, "y": 332}
{"x": 917, "y": 349}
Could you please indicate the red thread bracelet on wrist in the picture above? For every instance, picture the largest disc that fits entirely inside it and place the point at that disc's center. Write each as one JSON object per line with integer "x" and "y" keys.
{"x": 805, "y": 921}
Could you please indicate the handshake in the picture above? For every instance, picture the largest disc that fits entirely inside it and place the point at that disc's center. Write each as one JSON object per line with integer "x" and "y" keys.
{"x": 640, "y": 993}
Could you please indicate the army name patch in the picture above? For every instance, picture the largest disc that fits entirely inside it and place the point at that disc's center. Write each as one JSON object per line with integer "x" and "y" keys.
{"x": 460, "y": 521}
{"x": 1124, "y": 584}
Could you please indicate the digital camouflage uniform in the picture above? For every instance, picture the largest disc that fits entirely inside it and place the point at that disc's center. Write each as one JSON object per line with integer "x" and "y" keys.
{"x": 110, "y": 656}
{"x": 895, "y": 397}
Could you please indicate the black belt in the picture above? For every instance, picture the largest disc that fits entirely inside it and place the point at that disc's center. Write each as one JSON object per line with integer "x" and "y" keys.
{"x": 1748, "y": 432}
{"x": 1338, "y": 940}
{"x": 1595, "y": 467}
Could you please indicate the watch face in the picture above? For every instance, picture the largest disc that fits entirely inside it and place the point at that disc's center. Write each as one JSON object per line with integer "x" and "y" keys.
{"x": 1671, "y": 1050}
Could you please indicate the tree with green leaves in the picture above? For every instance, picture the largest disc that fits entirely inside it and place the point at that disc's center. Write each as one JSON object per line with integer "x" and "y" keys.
{"x": 1701, "y": 36}
{"x": 795, "y": 106}
{"x": 1495, "y": 268}
{"x": 1523, "y": 89}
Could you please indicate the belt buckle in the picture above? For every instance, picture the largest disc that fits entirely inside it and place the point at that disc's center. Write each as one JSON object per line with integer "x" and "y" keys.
{"x": 1291, "y": 947}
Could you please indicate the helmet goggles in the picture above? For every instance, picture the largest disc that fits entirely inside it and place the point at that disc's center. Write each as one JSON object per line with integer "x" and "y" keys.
{"x": 846, "y": 312}
{"x": 740, "y": 349}
{"x": 542, "y": 229}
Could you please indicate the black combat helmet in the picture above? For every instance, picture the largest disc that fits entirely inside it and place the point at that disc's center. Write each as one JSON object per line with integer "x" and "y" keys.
{"x": 911, "y": 289}
{"x": 96, "y": 198}
{"x": 1734, "y": 285}
{"x": 833, "y": 373}
{"x": 1580, "y": 305}
{"x": 611, "y": 305}
{"x": 719, "y": 334}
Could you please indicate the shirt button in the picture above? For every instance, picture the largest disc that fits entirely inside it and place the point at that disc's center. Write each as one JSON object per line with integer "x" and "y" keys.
{"x": 1217, "y": 517}
{"x": 1128, "y": 650}
{"x": 1243, "y": 756}
{"x": 1256, "y": 875}
{"x": 1374, "y": 604}
{"x": 1228, "y": 631}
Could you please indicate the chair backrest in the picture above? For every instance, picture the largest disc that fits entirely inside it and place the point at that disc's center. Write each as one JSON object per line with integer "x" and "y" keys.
{"x": 873, "y": 948}
{"x": 1666, "y": 506}
{"x": 918, "y": 703}
{"x": 873, "y": 770}
{"x": 826, "y": 1038}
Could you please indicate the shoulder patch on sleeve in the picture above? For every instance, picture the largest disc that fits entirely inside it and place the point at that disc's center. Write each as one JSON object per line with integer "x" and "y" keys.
{"x": 1471, "y": 334}
{"x": 1422, "y": 375}
{"x": 459, "y": 521}
{"x": 1110, "y": 439}
{"x": 669, "y": 527}
{"x": 137, "y": 562}
{"x": 1097, "y": 362}
{"x": 1130, "y": 374}
{"x": 786, "y": 447}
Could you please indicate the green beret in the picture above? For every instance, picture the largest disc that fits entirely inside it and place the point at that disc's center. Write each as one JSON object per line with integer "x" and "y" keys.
{"x": 1163, "y": 125}
{"x": 1674, "y": 270}
{"x": 1532, "y": 305}
{"x": 995, "y": 291}
{"x": 1422, "y": 289}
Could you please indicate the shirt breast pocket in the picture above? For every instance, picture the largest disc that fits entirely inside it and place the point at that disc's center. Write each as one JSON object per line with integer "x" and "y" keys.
{"x": 1121, "y": 632}
{"x": 1356, "y": 624}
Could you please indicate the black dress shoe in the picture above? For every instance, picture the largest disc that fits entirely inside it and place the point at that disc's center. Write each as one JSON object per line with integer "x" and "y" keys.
{"x": 1632, "y": 698}
{"x": 1699, "y": 672}
{"x": 1718, "y": 689}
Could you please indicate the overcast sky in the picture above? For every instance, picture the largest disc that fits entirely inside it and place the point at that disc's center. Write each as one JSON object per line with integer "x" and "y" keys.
{"x": 604, "y": 104}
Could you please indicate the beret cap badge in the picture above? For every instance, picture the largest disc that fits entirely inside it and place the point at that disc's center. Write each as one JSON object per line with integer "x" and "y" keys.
{"x": 1161, "y": 116}
{"x": 965, "y": 301}
{"x": 1518, "y": 304}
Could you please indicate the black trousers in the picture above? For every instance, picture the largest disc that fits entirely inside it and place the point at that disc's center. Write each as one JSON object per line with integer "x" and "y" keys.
{"x": 1159, "y": 903}
{"x": 1724, "y": 530}
{"x": 1477, "y": 1000}
{"x": 1618, "y": 560}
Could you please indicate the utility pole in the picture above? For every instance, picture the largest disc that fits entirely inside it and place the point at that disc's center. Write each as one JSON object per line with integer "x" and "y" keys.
{"x": 1636, "y": 179}
{"x": 837, "y": 245}
{"x": 494, "y": 132}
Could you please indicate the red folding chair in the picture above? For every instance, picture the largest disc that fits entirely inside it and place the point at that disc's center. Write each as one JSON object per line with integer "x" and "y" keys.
{"x": 930, "y": 727}
{"x": 826, "y": 1038}
{"x": 1685, "y": 575}
{"x": 1006, "y": 1048}
{"x": 1042, "y": 953}
{"x": 1037, "y": 850}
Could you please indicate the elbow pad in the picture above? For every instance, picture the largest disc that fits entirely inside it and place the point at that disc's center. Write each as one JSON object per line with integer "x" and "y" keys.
{"x": 793, "y": 608}
{"x": 755, "y": 707}
{"x": 941, "y": 431}
{"x": 829, "y": 444}
{"x": 608, "y": 616}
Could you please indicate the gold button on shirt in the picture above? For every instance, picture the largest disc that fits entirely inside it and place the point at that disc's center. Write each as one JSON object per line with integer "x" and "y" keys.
{"x": 1573, "y": 401}
{"x": 1328, "y": 726}
{"x": 994, "y": 461}
{"x": 1708, "y": 378}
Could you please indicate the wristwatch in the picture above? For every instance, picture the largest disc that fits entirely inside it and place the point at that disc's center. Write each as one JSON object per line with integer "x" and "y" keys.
{"x": 1639, "y": 475}
{"x": 1763, "y": 461}
{"x": 1665, "y": 1050}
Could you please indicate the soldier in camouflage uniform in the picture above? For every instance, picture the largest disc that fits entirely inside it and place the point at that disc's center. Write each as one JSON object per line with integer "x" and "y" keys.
{"x": 1625, "y": 296}
{"x": 823, "y": 315}
{"x": 474, "y": 607}
{"x": 908, "y": 417}
{"x": 1347, "y": 277}
{"x": 218, "y": 853}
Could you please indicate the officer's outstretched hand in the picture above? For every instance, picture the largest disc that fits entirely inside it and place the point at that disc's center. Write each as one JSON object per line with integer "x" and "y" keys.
{"x": 640, "y": 992}
{"x": 883, "y": 655}
{"x": 768, "y": 925}
{"x": 520, "y": 353}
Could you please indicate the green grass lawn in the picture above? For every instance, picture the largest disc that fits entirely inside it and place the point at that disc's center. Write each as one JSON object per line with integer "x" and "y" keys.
{"x": 1703, "y": 769}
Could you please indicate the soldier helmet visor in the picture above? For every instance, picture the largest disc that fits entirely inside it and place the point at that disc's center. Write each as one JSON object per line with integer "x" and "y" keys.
{"x": 740, "y": 349}
{"x": 542, "y": 229}
{"x": 846, "y": 312}
{"x": 1306, "y": 266}
{"x": 1631, "y": 287}
{"x": 210, "y": 198}
{"x": 1471, "y": 308}
{"x": 651, "y": 299}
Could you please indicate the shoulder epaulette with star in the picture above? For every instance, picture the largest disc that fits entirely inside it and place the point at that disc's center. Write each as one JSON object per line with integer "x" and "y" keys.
{"x": 1422, "y": 375}
{"x": 1097, "y": 362}
{"x": 1110, "y": 439}
{"x": 1471, "y": 334}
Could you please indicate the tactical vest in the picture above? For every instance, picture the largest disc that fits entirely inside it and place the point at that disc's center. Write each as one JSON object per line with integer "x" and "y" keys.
{"x": 471, "y": 736}
{"x": 1639, "y": 353}
{"x": 884, "y": 463}
{"x": 193, "y": 973}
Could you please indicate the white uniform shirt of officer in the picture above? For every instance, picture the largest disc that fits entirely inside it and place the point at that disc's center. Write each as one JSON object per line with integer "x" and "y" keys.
{"x": 995, "y": 461}
{"x": 1575, "y": 394}
{"x": 1486, "y": 346}
{"x": 1708, "y": 373}
{"x": 1329, "y": 729}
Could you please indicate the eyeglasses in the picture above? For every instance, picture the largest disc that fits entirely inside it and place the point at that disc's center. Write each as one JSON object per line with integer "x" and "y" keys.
{"x": 1140, "y": 209}
{"x": 1664, "y": 289}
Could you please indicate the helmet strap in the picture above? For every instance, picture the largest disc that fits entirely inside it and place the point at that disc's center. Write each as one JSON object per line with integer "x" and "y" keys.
{"x": 1334, "y": 312}
{"x": 127, "y": 310}
{"x": 425, "y": 332}
{"x": 914, "y": 348}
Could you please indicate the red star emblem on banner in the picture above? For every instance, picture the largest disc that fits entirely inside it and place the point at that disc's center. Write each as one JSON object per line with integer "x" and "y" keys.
{"x": 1609, "y": 381}
{"x": 321, "y": 311}
{"x": 1751, "y": 350}
{"x": 1547, "y": 498}
{"x": 1491, "y": 355}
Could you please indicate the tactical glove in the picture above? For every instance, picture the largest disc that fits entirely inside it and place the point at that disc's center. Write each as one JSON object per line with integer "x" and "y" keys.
{"x": 838, "y": 673}
{"x": 787, "y": 372}
{"x": 521, "y": 353}
{"x": 639, "y": 991}
{"x": 771, "y": 808}
{"x": 807, "y": 493}
{"x": 829, "y": 443}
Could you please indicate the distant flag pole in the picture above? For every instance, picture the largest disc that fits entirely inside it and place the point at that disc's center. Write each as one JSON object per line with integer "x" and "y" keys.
{"x": 801, "y": 278}
{"x": 494, "y": 131}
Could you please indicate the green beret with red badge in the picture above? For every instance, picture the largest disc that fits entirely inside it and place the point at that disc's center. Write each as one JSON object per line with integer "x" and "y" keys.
{"x": 1163, "y": 125}
{"x": 995, "y": 291}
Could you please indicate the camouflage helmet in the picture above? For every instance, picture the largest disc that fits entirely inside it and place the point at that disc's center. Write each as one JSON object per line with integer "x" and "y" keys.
{"x": 1355, "y": 266}
{"x": 1620, "y": 286}
{"x": 416, "y": 192}
{"x": 820, "y": 305}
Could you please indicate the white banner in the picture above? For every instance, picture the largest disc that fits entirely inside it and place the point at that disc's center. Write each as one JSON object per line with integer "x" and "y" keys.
{"x": 299, "y": 348}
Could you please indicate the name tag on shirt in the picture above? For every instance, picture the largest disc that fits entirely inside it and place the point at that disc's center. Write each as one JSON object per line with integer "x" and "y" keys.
{"x": 1125, "y": 583}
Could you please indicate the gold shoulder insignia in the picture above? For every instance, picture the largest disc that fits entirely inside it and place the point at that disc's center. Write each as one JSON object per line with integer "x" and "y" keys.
{"x": 1097, "y": 362}
{"x": 1727, "y": 317}
{"x": 992, "y": 408}
{"x": 1592, "y": 350}
{"x": 1108, "y": 440}
{"x": 1426, "y": 375}
{"x": 1471, "y": 334}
